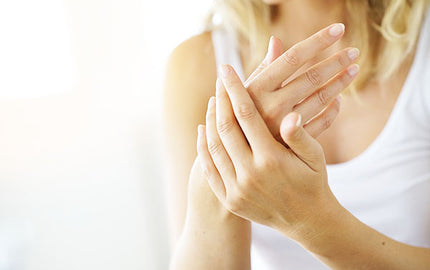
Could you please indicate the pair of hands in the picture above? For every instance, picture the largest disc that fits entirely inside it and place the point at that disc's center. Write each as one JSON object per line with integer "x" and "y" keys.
{"x": 241, "y": 150}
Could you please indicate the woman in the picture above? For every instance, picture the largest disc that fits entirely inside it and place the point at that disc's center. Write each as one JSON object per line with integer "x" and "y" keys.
{"x": 373, "y": 210}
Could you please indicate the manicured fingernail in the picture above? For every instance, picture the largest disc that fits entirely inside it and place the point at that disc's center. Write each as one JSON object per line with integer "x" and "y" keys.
{"x": 291, "y": 122}
{"x": 269, "y": 49}
{"x": 353, "y": 53}
{"x": 336, "y": 29}
{"x": 339, "y": 98}
{"x": 299, "y": 121}
{"x": 225, "y": 71}
{"x": 353, "y": 69}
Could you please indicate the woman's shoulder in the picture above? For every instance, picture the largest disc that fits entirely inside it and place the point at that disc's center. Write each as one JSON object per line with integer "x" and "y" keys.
{"x": 189, "y": 83}
{"x": 191, "y": 64}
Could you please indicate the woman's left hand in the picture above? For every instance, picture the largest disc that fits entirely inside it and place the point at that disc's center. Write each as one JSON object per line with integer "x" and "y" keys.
{"x": 255, "y": 176}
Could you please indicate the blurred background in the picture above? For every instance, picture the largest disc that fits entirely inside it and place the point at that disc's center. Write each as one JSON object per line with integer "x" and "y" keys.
{"x": 81, "y": 171}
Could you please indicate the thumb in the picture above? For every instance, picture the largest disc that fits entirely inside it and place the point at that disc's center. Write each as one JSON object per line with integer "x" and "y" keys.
{"x": 302, "y": 143}
{"x": 274, "y": 50}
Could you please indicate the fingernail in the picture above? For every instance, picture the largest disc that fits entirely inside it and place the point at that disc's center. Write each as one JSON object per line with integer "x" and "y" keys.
{"x": 353, "y": 69}
{"x": 269, "y": 49}
{"x": 353, "y": 53}
{"x": 225, "y": 71}
{"x": 336, "y": 29}
{"x": 299, "y": 121}
{"x": 291, "y": 122}
{"x": 339, "y": 98}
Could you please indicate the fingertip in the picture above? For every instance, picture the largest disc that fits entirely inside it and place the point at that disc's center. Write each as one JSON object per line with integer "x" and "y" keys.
{"x": 274, "y": 50}
{"x": 290, "y": 123}
{"x": 270, "y": 43}
{"x": 336, "y": 30}
{"x": 353, "y": 70}
{"x": 277, "y": 46}
{"x": 299, "y": 121}
{"x": 226, "y": 70}
{"x": 211, "y": 103}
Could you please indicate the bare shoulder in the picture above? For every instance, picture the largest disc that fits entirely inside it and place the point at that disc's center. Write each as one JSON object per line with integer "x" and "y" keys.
{"x": 191, "y": 67}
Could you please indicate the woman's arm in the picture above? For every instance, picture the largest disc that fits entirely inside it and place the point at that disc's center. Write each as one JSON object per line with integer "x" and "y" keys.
{"x": 342, "y": 241}
{"x": 185, "y": 99}
{"x": 212, "y": 237}
{"x": 208, "y": 223}
{"x": 287, "y": 189}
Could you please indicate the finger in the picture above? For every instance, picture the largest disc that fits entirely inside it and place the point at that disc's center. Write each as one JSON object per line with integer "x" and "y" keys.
{"x": 208, "y": 167}
{"x": 324, "y": 120}
{"x": 216, "y": 149}
{"x": 295, "y": 57}
{"x": 315, "y": 103}
{"x": 246, "y": 113}
{"x": 274, "y": 50}
{"x": 301, "y": 143}
{"x": 229, "y": 130}
{"x": 306, "y": 84}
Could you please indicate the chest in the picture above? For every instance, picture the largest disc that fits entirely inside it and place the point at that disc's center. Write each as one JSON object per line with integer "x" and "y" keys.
{"x": 360, "y": 120}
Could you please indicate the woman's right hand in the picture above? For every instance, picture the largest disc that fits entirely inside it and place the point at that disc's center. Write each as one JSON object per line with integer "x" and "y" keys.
{"x": 278, "y": 86}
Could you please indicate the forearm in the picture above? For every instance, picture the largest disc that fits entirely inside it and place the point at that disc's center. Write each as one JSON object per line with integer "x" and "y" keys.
{"x": 212, "y": 238}
{"x": 222, "y": 245}
{"x": 341, "y": 241}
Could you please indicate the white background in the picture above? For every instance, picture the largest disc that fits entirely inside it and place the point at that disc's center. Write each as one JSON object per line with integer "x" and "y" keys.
{"x": 81, "y": 183}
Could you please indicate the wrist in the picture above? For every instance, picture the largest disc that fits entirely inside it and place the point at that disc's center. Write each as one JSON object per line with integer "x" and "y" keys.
{"x": 321, "y": 235}
{"x": 322, "y": 224}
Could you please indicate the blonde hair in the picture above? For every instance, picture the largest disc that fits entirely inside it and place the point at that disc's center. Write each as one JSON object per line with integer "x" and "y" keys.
{"x": 386, "y": 39}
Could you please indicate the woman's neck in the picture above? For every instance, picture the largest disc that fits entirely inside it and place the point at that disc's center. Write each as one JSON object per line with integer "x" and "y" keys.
{"x": 296, "y": 20}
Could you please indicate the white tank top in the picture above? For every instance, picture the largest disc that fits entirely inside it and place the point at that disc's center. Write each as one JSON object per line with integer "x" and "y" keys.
{"x": 386, "y": 187}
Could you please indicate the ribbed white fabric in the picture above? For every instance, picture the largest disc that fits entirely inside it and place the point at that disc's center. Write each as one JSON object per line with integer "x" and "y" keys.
{"x": 387, "y": 186}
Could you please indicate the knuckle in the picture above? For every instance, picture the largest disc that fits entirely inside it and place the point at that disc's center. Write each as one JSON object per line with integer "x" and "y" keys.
{"x": 344, "y": 79}
{"x": 342, "y": 60}
{"x": 255, "y": 87}
{"x": 336, "y": 109}
{"x": 245, "y": 111}
{"x": 326, "y": 121}
{"x": 313, "y": 77}
{"x": 214, "y": 147}
{"x": 224, "y": 125}
{"x": 291, "y": 57}
{"x": 322, "y": 39}
{"x": 235, "y": 202}
{"x": 269, "y": 163}
{"x": 271, "y": 112}
{"x": 322, "y": 96}
{"x": 246, "y": 180}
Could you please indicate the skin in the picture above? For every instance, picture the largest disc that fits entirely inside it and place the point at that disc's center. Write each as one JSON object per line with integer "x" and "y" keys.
{"x": 239, "y": 161}
{"x": 222, "y": 227}
{"x": 277, "y": 90}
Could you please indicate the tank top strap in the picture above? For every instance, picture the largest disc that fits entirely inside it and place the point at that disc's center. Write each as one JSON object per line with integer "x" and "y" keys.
{"x": 226, "y": 50}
